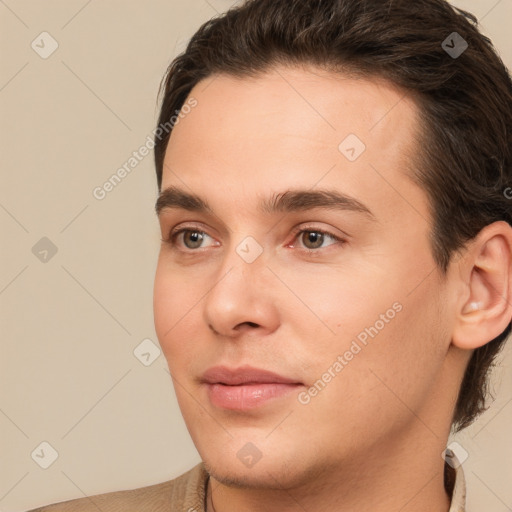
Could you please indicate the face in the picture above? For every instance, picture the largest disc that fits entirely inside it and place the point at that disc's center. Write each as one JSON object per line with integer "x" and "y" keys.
{"x": 296, "y": 298}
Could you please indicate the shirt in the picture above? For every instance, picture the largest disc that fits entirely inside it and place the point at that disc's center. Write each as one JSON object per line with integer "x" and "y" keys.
{"x": 187, "y": 494}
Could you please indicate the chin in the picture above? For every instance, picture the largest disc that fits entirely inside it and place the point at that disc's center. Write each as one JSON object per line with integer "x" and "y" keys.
{"x": 238, "y": 479}
{"x": 246, "y": 478}
{"x": 272, "y": 473}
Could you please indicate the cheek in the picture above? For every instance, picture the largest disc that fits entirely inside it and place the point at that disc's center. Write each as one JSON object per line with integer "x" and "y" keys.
{"x": 380, "y": 382}
{"x": 389, "y": 335}
{"x": 334, "y": 303}
{"x": 398, "y": 367}
{"x": 164, "y": 303}
{"x": 176, "y": 304}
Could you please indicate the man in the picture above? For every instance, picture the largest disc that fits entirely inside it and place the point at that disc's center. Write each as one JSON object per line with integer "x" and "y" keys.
{"x": 335, "y": 275}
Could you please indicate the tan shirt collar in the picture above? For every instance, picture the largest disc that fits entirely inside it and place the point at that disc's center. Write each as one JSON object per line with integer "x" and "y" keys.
{"x": 459, "y": 489}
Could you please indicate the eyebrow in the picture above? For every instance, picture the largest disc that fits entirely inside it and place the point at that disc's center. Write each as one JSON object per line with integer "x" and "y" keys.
{"x": 284, "y": 202}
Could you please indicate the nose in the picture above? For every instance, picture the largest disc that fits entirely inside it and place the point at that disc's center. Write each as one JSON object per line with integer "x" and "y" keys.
{"x": 242, "y": 300}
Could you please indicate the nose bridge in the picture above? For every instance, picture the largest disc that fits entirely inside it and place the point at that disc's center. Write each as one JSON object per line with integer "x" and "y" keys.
{"x": 242, "y": 266}
{"x": 238, "y": 295}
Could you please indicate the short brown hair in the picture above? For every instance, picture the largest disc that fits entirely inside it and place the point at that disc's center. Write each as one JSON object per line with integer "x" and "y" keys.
{"x": 465, "y": 102}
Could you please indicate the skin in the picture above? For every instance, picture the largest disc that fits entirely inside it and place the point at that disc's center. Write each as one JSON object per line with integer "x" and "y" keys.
{"x": 372, "y": 438}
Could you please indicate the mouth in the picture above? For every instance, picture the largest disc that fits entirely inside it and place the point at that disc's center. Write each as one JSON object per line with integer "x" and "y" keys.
{"x": 245, "y": 387}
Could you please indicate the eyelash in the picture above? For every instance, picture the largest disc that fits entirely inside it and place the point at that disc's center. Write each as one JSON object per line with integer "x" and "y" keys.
{"x": 171, "y": 240}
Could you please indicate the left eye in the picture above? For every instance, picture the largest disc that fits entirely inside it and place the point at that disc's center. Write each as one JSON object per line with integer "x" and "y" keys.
{"x": 314, "y": 238}
{"x": 192, "y": 238}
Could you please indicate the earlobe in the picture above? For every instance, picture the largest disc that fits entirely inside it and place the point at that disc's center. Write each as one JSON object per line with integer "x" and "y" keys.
{"x": 486, "y": 310}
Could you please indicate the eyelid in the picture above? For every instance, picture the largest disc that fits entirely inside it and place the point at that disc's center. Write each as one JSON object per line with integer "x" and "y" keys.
{"x": 340, "y": 239}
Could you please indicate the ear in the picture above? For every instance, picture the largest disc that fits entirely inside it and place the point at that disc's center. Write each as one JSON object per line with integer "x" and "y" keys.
{"x": 484, "y": 310}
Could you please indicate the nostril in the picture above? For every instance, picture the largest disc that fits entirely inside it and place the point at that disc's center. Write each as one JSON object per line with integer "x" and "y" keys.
{"x": 246, "y": 324}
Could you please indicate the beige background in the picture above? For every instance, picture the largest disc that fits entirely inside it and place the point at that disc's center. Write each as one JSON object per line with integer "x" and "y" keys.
{"x": 68, "y": 374}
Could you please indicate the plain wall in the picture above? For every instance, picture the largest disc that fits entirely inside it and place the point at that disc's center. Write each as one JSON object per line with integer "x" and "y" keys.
{"x": 69, "y": 325}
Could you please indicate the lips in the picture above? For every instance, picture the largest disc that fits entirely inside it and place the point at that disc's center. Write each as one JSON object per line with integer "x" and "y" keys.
{"x": 245, "y": 387}
{"x": 243, "y": 375}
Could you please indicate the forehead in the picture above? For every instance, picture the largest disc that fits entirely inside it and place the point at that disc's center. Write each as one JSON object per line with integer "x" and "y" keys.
{"x": 325, "y": 103}
{"x": 292, "y": 125}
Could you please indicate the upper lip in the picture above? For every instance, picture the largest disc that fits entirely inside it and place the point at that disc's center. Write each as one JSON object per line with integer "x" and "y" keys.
{"x": 243, "y": 375}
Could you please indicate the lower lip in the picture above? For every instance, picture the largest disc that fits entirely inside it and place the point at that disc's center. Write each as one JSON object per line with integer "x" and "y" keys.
{"x": 247, "y": 396}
